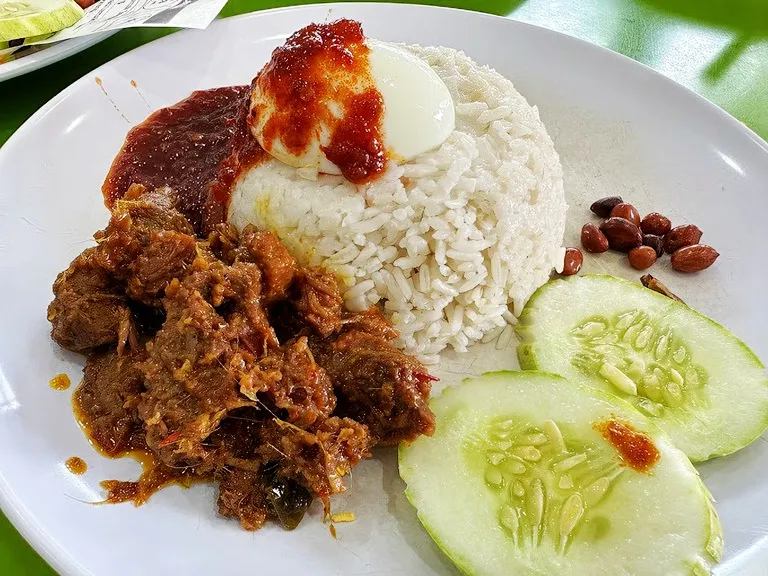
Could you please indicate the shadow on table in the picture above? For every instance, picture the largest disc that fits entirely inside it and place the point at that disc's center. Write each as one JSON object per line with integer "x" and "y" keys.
{"x": 747, "y": 19}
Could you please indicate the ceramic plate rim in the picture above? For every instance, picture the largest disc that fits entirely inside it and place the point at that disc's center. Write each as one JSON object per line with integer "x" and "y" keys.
{"x": 51, "y": 55}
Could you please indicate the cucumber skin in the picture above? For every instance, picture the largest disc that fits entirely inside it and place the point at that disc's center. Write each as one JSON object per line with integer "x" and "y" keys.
{"x": 714, "y": 548}
{"x": 527, "y": 357}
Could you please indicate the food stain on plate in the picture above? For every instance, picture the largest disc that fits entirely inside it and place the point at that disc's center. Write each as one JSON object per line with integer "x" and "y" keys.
{"x": 60, "y": 382}
{"x": 76, "y": 465}
{"x": 141, "y": 95}
{"x": 100, "y": 84}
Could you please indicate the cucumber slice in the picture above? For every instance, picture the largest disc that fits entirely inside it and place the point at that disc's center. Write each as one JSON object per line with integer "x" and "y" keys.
{"x": 518, "y": 479}
{"x": 691, "y": 376}
{"x": 25, "y": 18}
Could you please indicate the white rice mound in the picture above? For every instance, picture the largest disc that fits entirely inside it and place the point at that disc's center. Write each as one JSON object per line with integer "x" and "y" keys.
{"x": 455, "y": 241}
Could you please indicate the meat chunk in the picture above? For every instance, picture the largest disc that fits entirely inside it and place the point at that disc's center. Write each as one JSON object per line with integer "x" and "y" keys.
{"x": 185, "y": 363}
{"x": 88, "y": 308}
{"x": 262, "y": 248}
{"x": 189, "y": 386}
{"x": 277, "y": 266}
{"x": 241, "y": 496}
{"x": 214, "y": 330}
{"x": 236, "y": 440}
{"x": 153, "y": 209}
{"x": 249, "y": 488}
{"x": 292, "y": 381}
{"x": 376, "y": 383}
{"x": 146, "y": 244}
{"x": 320, "y": 301}
{"x": 241, "y": 290}
{"x": 317, "y": 461}
{"x": 107, "y": 400}
{"x": 167, "y": 256}
{"x": 255, "y": 496}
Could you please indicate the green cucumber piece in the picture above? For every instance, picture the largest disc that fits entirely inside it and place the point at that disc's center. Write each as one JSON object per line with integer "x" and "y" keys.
{"x": 26, "y": 18}
{"x": 691, "y": 376}
{"x": 517, "y": 479}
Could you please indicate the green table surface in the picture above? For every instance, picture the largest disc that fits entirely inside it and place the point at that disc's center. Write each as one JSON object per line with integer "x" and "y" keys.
{"x": 718, "y": 48}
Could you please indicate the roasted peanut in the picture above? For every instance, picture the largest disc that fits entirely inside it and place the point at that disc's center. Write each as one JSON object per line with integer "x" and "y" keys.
{"x": 626, "y": 211}
{"x": 573, "y": 261}
{"x": 655, "y": 242}
{"x": 680, "y": 237}
{"x": 656, "y": 224}
{"x": 622, "y": 235}
{"x": 592, "y": 239}
{"x": 641, "y": 257}
{"x": 694, "y": 258}
{"x": 604, "y": 206}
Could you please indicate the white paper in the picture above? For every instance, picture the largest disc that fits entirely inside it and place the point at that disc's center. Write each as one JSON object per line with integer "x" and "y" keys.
{"x": 107, "y": 15}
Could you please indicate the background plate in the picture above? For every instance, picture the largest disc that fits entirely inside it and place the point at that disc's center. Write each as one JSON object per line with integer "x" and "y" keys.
{"x": 40, "y": 56}
{"x": 620, "y": 129}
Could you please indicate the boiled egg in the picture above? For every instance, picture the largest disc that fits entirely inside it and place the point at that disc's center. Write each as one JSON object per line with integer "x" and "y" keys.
{"x": 300, "y": 103}
{"x": 418, "y": 108}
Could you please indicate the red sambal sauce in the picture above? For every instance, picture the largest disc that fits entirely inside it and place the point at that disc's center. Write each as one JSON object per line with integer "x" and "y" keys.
{"x": 636, "y": 449}
{"x": 197, "y": 148}
{"x": 319, "y": 63}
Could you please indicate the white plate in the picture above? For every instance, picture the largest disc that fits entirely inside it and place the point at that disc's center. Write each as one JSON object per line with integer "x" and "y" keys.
{"x": 620, "y": 128}
{"x": 45, "y": 54}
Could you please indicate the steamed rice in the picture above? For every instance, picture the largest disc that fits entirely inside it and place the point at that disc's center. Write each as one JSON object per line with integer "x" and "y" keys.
{"x": 454, "y": 242}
